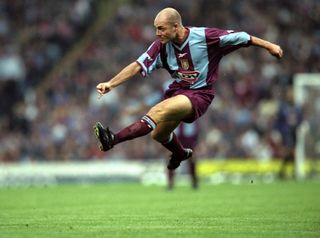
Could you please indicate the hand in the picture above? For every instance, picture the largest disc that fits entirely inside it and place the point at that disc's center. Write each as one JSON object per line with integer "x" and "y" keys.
{"x": 276, "y": 51}
{"x": 103, "y": 88}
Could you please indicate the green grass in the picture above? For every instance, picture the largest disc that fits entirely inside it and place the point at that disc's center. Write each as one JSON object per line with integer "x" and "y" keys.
{"x": 282, "y": 209}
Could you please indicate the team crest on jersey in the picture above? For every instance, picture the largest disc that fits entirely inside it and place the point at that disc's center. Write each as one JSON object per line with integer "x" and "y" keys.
{"x": 183, "y": 61}
{"x": 184, "y": 64}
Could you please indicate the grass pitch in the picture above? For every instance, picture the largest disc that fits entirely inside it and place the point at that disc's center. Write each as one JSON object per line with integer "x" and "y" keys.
{"x": 282, "y": 209}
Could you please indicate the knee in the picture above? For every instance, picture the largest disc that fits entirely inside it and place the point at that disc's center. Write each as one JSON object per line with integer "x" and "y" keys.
{"x": 156, "y": 135}
{"x": 158, "y": 113}
{"x": 159, "y": 136}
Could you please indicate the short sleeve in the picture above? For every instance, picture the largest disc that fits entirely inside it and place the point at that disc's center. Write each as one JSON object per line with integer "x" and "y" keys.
{"x": 150, "y": 60}
{"x": 227, "y": 40}
{"x": 213, "y": 35}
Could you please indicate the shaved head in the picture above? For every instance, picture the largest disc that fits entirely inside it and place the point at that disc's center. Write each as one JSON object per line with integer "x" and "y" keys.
{"x": 169, "y": 26}
{"x": 169, "y": 15}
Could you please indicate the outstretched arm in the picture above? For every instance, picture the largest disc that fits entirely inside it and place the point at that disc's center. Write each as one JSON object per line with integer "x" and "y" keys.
{"x": 273, "y": 49}
{"x": 125, "y": 74}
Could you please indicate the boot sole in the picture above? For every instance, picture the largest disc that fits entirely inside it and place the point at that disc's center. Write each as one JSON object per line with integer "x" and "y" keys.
{"x": 97, "y": 133}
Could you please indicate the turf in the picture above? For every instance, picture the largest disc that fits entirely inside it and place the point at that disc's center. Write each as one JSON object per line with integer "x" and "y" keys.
{"x": 282, "y": 209}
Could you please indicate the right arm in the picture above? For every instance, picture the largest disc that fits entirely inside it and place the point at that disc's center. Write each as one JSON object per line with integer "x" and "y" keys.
{"x": 125, "y": 74}
{"x": 146, "y": 64}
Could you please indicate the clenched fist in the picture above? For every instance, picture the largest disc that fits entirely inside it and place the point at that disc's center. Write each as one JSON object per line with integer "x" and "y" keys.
{"x": 276, "y": 51}
{"x": 103, "y": 88}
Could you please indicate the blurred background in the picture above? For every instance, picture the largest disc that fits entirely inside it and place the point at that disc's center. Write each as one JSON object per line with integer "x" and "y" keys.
{"x": 54, "y": 53}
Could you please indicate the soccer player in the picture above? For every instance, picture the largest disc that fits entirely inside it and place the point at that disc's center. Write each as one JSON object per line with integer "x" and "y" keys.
{"x": 188, "y": 134}
{"x": 191, "y": 55}
{"x": 288, "y": 119}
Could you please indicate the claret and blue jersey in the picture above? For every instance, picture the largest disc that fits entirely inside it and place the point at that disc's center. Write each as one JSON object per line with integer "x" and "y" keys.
{"x": 194, "y": 64}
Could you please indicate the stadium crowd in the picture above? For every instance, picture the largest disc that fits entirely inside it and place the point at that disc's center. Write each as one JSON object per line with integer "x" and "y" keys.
{"x": 53, "y": 121}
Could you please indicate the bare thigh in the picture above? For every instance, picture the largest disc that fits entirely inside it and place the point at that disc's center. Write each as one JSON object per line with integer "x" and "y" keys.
{"x": 168, "y": 114}
{"x": 175, "y": 108}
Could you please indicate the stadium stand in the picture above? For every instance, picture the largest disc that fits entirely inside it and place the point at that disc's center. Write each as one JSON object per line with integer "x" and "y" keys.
{"x": 54, "y": 122}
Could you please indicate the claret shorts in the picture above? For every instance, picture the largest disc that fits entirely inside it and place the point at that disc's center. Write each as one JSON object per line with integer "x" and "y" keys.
{"x": 200, "y": 99}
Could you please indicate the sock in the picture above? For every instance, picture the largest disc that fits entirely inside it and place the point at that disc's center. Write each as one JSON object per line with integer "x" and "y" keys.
{"x": 192, "y": 170}
{"x": 173, "y": 144}
{"x": 171, "y": 174}
{"x": 137, "y": 129}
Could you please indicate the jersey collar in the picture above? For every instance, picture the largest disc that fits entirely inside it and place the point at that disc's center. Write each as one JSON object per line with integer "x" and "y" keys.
{"x": 180, "y": 47}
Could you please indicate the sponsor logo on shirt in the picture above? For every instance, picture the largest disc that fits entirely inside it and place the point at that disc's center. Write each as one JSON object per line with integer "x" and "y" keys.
{"x": 188, "y": 76}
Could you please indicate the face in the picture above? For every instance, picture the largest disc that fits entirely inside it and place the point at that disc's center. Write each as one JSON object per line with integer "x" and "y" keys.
{"x": 165, "y": 31}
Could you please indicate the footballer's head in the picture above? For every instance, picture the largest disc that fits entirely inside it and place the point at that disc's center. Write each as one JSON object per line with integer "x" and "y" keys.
{"x": 168, "y": 23}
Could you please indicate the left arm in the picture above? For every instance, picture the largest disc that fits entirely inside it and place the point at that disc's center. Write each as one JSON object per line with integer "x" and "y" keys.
{"x": 273, "y": 49}
{"x": 231, "y": 41}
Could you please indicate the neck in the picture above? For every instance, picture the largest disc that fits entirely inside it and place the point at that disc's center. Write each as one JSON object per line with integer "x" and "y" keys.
{"x": 181, "y": 36}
